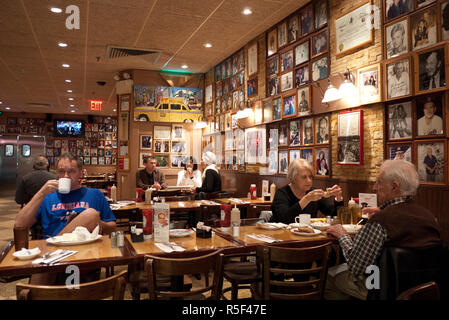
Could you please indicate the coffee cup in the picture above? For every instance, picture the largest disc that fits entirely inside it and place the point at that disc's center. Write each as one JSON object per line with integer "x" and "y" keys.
{"x": 303, "y": 219}
{"x": 64, "y": 185}
{"x": 21, "y": 238}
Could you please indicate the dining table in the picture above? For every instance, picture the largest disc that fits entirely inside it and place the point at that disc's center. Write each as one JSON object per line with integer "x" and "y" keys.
{"x": 175, "y": 206}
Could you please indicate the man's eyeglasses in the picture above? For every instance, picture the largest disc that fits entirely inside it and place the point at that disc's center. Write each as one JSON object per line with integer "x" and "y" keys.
{"x": 69, "y": 172}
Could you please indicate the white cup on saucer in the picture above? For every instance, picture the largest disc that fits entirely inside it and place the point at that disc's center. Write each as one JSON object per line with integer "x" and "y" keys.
{"x": 303, "y": 219}
{"x": 64, "y": 185}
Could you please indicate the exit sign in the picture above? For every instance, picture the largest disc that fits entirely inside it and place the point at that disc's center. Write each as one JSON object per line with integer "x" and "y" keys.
{"x": 95, "y": 105}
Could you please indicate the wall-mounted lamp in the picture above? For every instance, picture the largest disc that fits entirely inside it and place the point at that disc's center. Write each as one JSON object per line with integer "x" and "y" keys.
{"x": 200, "y": 124}
{"x": 347, "y": 88}
{"x": 245, "y": 113}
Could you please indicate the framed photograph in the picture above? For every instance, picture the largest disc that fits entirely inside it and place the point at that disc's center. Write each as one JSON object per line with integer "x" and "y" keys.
{"x": 430, "y": 161}
{"x": 368, "y": 84}
{"x": 293, "y": 155}
{"x": 302, "y": 75}
{"x": 178, "y": 161}
{"x": 208, "y": 95}
{"x": 277, "y": 109}
{"x": 322, "y": 162}
{"x": 320, "y": 69}
{"x": 274, "y": 86}
{"x": 287, "y": 81}
{"x": 217, "y": 106}
{"x": 430, "y": 115}
{"x": 350, "y": 137}
{"x": 256, "y": 145}
{"x": 307, "y": 154}
{"x": 306, "y": 19}
{"x": 273, "y": 66}
{"x": 124, "y": 102}
{"x": 303, "y": 101}
{"x": 319, "y": 43}
{"x": 228, "y": 121}
{"x": 322, "y": 129}
{"x": 292, "y": 35}
{"x": 218, "y": 89}
{"x": 87, "y": 161}
{"x": 252, "y": 87}
{"x": 397, "y": 75}
{"x": 146, "y": 142}
{"x": 273, "y": 138}
{"x": 162, "y": 132}
{"x": 161, "y": 146}
{"x": 217, "y": 73}
{"x": 229, "y": 140}
{"x": 289, "y": 106}
{"x": 267, "y": 110}
{"x": 431, "y": 68}
{"x": 163, "y": 161}
{"x": 179, "y": 147}
{"x": 178, "y": 132}
{"x": 302, "y": 53}
{"x": 282, "y": 35}
{"x": 321, "y": 13}
{"x": 286, "y": 60}
{"x": 307, "y": 131}
{"x": 400, "y": 151}
{"x": 273, "y": 161}
{"x": 394, "y": 8}
{"x": 11, "y": 121}
{"x": 352, "y": 30}
{"x": 239, "y": 135}
{"x": 258, "y": 112}
{"x": 294, "y": 133}
{"x": 241, "y": 159}
{"x": 283, "y": 134}
{"x": 400, "y": 121}
{"x": 396, "y": 38}
{"x": 221, "y": 123}
{"x": 423, "y": 28}
{"x": 444, "y": 16}
{"x": 252, "y": 59}
{"x": 240, "y": 79}
{"x": 423, "y": 3}
{"x": 235, "y": 100}
{"x": 234, "y": 121}
{"x": 283, "y": 161}
{"x": 272, "y": 42}
{"x": 142, "y": 157}
{"x": 235, "y": 64}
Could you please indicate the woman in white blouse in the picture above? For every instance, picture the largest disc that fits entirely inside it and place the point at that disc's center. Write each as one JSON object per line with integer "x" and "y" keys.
{"x": 190, "y": 176}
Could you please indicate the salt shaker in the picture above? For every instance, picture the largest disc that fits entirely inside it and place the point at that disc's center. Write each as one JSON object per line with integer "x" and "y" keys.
{"x": 328, "y": 220}
{"x": 120, "y": 239}
{"x": 113, "y": 240}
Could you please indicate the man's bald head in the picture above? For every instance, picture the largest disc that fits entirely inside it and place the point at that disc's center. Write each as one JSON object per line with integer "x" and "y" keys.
{"x": 40, "y": 163}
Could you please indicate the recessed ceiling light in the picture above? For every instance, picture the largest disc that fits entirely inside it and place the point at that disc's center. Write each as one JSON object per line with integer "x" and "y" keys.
{"x": 62, "y": 44}
{"x": 1, "y": 102}
{"x": 184, "y": 66}
{"x": 208, "y": 45}
{"x": 72, "y": 105}
{"x": 71, "y": 99}
{"x": 69, "y": 90}
{"x": 68, "y": 81}
{"x": 8, "y": 108}
{"x": 72, "y": 110}
{"x": 56, "y": 10}
{"x": 115, "y": 110}
{"x": 247, "y": 11}
{"x": 65, "y": 65}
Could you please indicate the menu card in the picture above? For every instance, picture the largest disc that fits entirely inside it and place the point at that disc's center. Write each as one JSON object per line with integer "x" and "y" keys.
{"x": 369, "y": 198}
{"x": 161, "y": 222}
{"x": 264, "y": 187}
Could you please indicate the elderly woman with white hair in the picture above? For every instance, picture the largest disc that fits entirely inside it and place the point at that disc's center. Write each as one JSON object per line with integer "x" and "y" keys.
{"x": 300, "y": 197}
{"x": 211, "y": 176}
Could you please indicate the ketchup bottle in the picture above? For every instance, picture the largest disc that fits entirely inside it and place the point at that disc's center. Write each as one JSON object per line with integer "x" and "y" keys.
{"x": 139, "y": 194}
{"x": 225, "y": 210}
{"x": 147, "y": 222}
{"x": 253, "y": 191}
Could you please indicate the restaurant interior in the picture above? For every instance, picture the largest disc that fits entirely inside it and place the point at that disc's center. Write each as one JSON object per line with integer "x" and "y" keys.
{"x": 344, "y": 85}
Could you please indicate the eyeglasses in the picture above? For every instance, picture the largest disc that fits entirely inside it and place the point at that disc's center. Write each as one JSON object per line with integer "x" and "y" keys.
{"x": 69, "y": 172}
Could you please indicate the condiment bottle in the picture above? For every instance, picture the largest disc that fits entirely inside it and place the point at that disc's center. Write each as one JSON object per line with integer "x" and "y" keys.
{"x": 235, "y": 216}
{"x": 351, "y": 203}
{"x": 114, "y": 193}
{"x": 272, "y": 191}
{"x": 120, "y": 239}
{"x": 113, "y": 240}
{"x": 225, "y": 212}
{"x": 253, "y": 191}
{"x": 147, "y": 217}
{"x": 148, "y": 196}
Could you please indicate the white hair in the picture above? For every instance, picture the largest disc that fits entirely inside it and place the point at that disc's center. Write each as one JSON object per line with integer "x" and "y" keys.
{"x": 295, "y": 166}
{"x": 404, "y": 173}
{"x": 209, "y": 157}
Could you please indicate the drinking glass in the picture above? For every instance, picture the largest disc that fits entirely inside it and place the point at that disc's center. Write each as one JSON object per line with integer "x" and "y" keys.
{"x": 21, "y": 238}
{"x": 344, "y": 215}
{"x": 356, "y": 214}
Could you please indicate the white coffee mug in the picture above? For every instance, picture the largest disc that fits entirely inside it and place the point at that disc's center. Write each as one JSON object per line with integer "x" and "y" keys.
{"x": 64, "y": 185}
{"x": 303, "y": 219}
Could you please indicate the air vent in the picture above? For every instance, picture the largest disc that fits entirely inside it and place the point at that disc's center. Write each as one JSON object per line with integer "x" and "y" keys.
{"x": 40, "y": 105}
{"x": 114, "y": 52}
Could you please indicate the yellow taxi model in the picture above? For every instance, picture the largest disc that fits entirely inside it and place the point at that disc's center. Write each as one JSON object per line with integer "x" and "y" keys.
{"x": 168, "y": 110}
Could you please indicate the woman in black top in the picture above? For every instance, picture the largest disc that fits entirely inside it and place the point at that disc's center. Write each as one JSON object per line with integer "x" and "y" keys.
{"x": 300, "y": 197}
{"x": 211, "y": 176}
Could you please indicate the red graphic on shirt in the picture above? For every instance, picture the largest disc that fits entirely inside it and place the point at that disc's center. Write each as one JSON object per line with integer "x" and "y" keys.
{"x": 70, "y": 206}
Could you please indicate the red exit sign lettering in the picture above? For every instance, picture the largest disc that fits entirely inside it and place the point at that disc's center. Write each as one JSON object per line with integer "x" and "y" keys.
{"x": 95, "y": 105}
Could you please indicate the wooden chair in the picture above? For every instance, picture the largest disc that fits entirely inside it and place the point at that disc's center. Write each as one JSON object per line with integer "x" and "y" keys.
{"x": 292, "y": 273}
{"x": 426, "y": 291}
{"x": 126, "y": 218}
{"x": 219, "y": 195}
{"x": 210, "y": 215}
{"x": 178, "y": 268}
{"x": 254, "y": 211}
{"x": 110, "y": 287}
{"x": 176, "y": 198}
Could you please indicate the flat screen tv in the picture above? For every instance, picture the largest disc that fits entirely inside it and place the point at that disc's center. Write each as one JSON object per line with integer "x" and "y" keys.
{"x": 69, "y": 128}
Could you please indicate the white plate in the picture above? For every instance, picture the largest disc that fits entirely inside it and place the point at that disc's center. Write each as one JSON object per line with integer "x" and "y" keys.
{"x": 320, "y": 226}
{"x": 179, "y": 233}
{"x": 268, "y": 226}
{"x": 352, "y": 228}
{"x": 306, "y": 234}
{"x": 125, "y": 202}
{"x": 24, "y": 255}
{"x": 57, "y": 241}
{"x": 297, "y": 225}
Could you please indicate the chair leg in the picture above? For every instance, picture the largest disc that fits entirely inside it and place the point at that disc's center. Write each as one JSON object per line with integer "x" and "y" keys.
{"x": 234, "y": 291}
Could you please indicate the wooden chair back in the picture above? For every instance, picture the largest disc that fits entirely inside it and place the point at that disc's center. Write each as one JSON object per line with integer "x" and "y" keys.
{"x": 110, "y": 287}
{"x": 293, "y": 273}
{"x": 210, "y": 215}
{"x": 426, "y": 291}
{"x": 219, "y": 195}
{"x": 178, "y": 267}
{"x": 176, "y": 198}
{"x": 249, "y": 221}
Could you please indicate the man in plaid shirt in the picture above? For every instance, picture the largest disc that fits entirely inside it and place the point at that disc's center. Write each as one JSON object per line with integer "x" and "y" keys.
{"x": 398, "y": 222}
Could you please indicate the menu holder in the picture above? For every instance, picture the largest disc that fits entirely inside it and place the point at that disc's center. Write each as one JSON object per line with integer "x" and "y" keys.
{"x": 161, "y": 222}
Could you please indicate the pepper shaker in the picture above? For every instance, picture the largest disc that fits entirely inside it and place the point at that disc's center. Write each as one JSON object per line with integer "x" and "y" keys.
{"x": 113, "y": 240}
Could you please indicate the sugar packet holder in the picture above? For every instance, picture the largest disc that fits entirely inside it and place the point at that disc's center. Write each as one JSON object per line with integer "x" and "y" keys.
{"x": 136, "y": 234}
{"x": 203, "y": 231}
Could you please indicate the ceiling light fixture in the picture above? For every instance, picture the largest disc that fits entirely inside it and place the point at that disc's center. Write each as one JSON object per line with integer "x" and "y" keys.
{"x": 8, "y": 108}
{"x": 247, "y": 11}
{"x": 115, "y": 110}
{"x": 208, "y": 45}
{"x": 56, "y": 10}
{"x": 62, "y": 44}
{"x": 65, "y": 65}
{"x": 69, "y": 90}
{"x": 71, "y": 99}
{"x": 1, "y": 102}
{"x": 72, "y": 105}
{"x": 347, "y": 88}
{"x": 184, "y": 66}
{"x": 68, "y": 81}
{"x": 200, "y": 124}
{"x": 72, "y": 110}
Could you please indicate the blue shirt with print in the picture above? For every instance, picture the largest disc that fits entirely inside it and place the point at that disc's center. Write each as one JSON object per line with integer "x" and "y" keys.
{"x": 56, "y": 207}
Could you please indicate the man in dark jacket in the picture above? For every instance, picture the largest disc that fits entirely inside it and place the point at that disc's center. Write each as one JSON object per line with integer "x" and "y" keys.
{"x": 150, "y": 177}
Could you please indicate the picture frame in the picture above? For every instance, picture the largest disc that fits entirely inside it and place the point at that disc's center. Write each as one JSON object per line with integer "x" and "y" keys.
{"x": 239, "y": 135}
{"x": 179, "y": 147}
{"x": 302, "y": 53}
{"x": 289, "y": 106}
{"x": 273, "y": 138}
{"x": 287, "y": 81}
{"x": 322, "y": 129}
{"x": 393, "y": 11}
{"x": 430, "y": 115}
{"x": 400, "y": 151}
{"x": 142, "y": 156}
{"x": 320, "y": 43}
{"x": 293, "y": 29}
{"x": 286, "y": 59}
{"x": 122, "y": 163}
{"x": 234, "y": 121}
{"x": 272, "y": 42}
{"x": 267, "y": 110}
{"x": 307, "y": 154}
{"x": 274, "y": 86}
{"x": 321, "y": 13}
{"x": 146, "y": 142}
{"x": 255, "y": 145}
{"x": 430, "y": 160}
{"x": 228, "y": 121}
{"x": 283, "y": 161}
{"x": 277, "y": 108}
{"x": 252, "y": 59}
{"x": 86, "y": 161}
{"x": 302, "y": 75}
{"x": 293, "y": 154}
{"x": 423, "y": 28}
{"x": 304, "y": 98}
{"x": 178, "y": 161}
{"x": 124, "y": 125}
{"x": 229, "y": 140}
{"x": 306, "y": 20}
{"x": 161, "y": 132}
{"x": 369, "y": 85}
{"x": 396, "y": 38}
{"x": 208, "y": 94}
{"x": 282, "y": 34}
{"x": 240, "y": 78}
{"x": 322, "y": 162}
{"x": 320, "y": 68}
{"x": 235, "y": 62}
{"x": 124, "y": 102}
{"x": 218, "y": 89}
{"x": 423, "y": 3}
{"x": 252, "y": 87}
{"x": 397, "y": 78}
{"x": 399, "y": 120}
{"x": 217, "y": 73}
{"x": 273, "y": 161}
{"x": 307, "y": 131}
{"x": 444, "y": 20}
{"x": 283, "y": 135}
{"x": 352, "y": 30}
{"x": 161, "y": 146}
{"x": 123, "y": 150}
{"x": 240, "y": 159}
{"x": 350, "y": 137}
{"x": 235, "y": 100}
{"x": 273, "y": 66}
{"x": 294, "y": 133}
{"x": 217, "y": 106}
{"x": 258, "y": 112}
{"x": 430, "y": 66}
{"x": 163, "y": 161}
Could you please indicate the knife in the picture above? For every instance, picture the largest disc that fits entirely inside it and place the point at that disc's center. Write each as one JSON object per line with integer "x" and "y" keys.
{"x": 66, "y": 255}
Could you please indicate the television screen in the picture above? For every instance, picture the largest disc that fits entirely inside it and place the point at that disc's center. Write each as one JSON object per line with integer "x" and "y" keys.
{"x": 69, "y": 128}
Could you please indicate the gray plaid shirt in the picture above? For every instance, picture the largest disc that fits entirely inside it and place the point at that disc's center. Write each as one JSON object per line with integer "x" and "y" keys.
{"x": 367, "y": 244}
